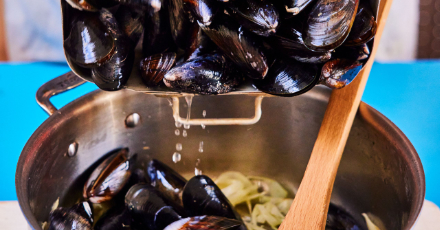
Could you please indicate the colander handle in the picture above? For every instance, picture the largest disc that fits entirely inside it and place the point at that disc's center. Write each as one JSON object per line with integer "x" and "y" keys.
{"x": 218, "y": 121}
{"x": 55, "y": 86}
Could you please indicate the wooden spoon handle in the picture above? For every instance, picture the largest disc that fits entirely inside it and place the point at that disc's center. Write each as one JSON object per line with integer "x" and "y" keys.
{"x": 310, "y": 206}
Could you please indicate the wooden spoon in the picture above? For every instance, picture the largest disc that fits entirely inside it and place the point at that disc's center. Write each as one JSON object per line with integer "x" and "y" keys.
{"x": 310, "y": 206}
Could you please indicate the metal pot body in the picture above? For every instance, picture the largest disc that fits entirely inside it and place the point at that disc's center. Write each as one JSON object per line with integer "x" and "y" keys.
{"x": 380, "y": 172}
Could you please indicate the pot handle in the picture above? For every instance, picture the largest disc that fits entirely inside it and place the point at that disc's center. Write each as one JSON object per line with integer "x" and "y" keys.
{"x": 55, "y": 86}
{"x": 218, "y": 121}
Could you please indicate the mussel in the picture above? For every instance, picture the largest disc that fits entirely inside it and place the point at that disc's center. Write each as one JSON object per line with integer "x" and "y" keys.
{"x": 203, "y": 10}
{"x": 167, "y": 181}
{"x": 89, "y": 43}
{"x": 357, "y": 53}
{"x": 149, "y": 208}
{"x": 287, "y": 77}
{"x": 339, "y": 219}
{"x": 184, "y": 27}
{"x": 78, "y": 216}
{"x": 204, "y": 222}
{"x": 329, "y": 24}
{"x": 82, "y": 4}
{"x": 154, "y": 68}
{"x": 289, "y": 43}
{"x": 240, "y": 46}
{"x": 201, "y": 196}
{"x": 157, "y": 33}
{"x": 109, "y": 177}
{"x": 115, "y": 73}
{"x": 258, "y": 16}
{"x": 296, "y": 6}
{"x": 364, "y": 26}
{"x": 130, "y": 20}
{"x": 338, "y": 73}
{"x": 201, "y": 46}
{"x": 206, "y": 74}
{"x": 117, "y": 218}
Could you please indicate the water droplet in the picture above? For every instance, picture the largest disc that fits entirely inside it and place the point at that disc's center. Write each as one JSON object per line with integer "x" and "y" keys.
{"x": 184, "y": 134}
{"x": 203, "y": 126}
{"x": 179, "y": 147}
{"x": 72, "y": 149}
{"x": 177, "y": 132}
{"x": 170, "y": 101}
{"x": 177, "y": 157}
{"x": 197, "y": 171}
{"x": 178, "y": 124}
{"x": 188, "y": 113}
{"x": 186, "y": 126}
{"x": 200, "y": 147}
{"x": 204, "y": 113}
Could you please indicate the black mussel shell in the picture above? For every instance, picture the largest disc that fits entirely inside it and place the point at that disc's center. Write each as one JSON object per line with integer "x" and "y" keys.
{"x": 338, "y": 73}
{"x": 117, "y": 218}
{"x": 130, "y": 20}
{"x": 287, "y": 77}
{"x": 207, "y": 74}
{"x": 78, "y": 216}
{"x": 204, "y": 222}
{"x": 157, "y": 34}
{"x": 167, "y": 181}
{"x": 153, "y": 68}
{"x": 184, "y": 27}
{"x": 89, "y": 43}
{"x": 149, "y": 208}
{"x": 203, "y": 10}
{"x": 108, "y": 179}
{"x": 239, "y": 45}
{"x": 358, "y": 53}
{"x": 289, "y": 43}
{"x": 338, "y": 219}
{"x": 115, "y": 73}
{"x": 258, "y": 16}
{"x": 201, "y": 196}
{"x": 329, "y": 24}
{"x": 364, "y": 26}
{"x": 201, "y": 46}
{"x": 296, "y": 6}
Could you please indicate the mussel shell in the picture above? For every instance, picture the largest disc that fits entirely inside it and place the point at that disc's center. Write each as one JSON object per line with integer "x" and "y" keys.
{"x": 204, "y": 222}
{"x": 207, "y": 74}
{"x": 338, "y": 73}
{"x": 78, "y": 216}
{"x": 201, "y": 46}
{"x": 154, "y": 68}
{"x": 82, "y": 5}
{"x": 357, "y": 53}
{"x": 117, "y": 218}
{"x": 289, "y": 43}
{"x": 239, "y": 45}
{"x": 287, "y": 77}
{"x": 131, "y": 20}
{"x": 167, "y": 181}
{"x": 149, "y": 208}
{"x": 329, "y": 24}
{"x": 364, "y": 26}
{"x": 108, "y": 179}
{"x": 88, "y": 43}
{"x": 296, "y": 6}
{"x": 203, "y": 10}
{"x": 339, "y": 219}
{"x": 115, "y": 73}
{"x": 258, "y": 16}
{"x": 201, "y": 196}
{"x": 184, "y": 27}
{"x": 157, "y": 33}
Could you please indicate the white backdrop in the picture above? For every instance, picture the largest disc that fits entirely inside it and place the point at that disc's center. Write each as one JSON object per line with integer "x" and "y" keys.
{"x": 34, "y": 31}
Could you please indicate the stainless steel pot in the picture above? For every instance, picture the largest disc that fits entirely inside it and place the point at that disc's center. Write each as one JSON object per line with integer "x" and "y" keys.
{"x": 380, "y": 172}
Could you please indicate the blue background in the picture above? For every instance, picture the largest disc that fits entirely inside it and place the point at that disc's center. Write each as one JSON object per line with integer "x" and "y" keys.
{"x": 407, "y": 93}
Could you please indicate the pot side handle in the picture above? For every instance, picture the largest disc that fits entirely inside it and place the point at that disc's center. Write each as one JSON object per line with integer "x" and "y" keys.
{"x": 55, "y": 86}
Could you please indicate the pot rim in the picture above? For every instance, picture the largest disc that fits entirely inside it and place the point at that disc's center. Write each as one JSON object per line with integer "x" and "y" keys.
{"x": 368, "y": 113}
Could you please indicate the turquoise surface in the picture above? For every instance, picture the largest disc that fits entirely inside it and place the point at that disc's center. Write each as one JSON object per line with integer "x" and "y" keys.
{"x": 408, "y": 94}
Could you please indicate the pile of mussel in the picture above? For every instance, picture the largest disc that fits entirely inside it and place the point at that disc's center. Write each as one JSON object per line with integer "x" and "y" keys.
{"x": 154, "y": 198}
{"x": 283, "y": 47}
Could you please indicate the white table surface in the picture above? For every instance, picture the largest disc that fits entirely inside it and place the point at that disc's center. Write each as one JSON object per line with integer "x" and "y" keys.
{"x": 11, "y": 217}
